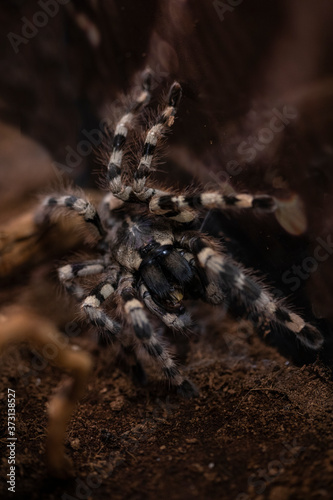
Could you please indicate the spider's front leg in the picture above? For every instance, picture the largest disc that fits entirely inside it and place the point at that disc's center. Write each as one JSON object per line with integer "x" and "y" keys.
{"x": 68, "y": 275}
{"x": 252, "y": 300}
{"x": 92, "y": 307}
{"x": 147, "y": 338}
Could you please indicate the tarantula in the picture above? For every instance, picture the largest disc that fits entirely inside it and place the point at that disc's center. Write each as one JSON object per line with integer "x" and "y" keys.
{"x": 152, "y": 254}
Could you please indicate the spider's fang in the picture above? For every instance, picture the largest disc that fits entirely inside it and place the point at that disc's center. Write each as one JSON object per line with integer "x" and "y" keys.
{"x": 176, "y": 295}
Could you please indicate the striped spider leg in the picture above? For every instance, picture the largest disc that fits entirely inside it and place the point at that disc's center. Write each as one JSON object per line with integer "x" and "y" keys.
{"x": 90, "y": 304}
{"x": 254, "y": 301}
{"x": 70, "y": 203}
{"x": 114, "y": 168}
{"x": 138, "y": 191}
{"x": 186, "y": 208}
{"x": 134, "y": 308}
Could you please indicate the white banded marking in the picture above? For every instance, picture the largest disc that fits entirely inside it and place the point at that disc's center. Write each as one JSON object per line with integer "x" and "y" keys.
{"x": 91, "y": 301}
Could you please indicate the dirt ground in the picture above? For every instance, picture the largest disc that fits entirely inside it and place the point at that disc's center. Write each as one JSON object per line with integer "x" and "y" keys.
{"x": 261, "y": 428}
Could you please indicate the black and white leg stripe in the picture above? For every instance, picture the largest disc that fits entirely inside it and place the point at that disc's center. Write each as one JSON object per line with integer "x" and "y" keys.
{"x": 183, "y": 208}
{"x": 154, "y": 348}
{"x": 114, "y": 169}
{"x": 79, "y": 205}
{"x": 69, "y": 272}
{"x": 148, "y": 339}
{"x": 164, "y": 121}
{"x": 78, "y": 269}
{"x": 134, "y": 310}
{"x": 91, "y": 306}
{"x": 256, "y": 302}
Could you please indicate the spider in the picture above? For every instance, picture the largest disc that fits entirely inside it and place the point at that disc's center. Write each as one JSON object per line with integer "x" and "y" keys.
{"x": 151, "y": 254}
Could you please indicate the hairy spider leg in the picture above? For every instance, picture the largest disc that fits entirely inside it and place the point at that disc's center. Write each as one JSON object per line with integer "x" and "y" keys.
{"x": 114, "y": 168}
{"x": 96, "y": 315}
{"x": 255, "y": 302}
{"x": 211, "y": 290}
{"x": 148, "y": 339}
{"x": 71, "y": 203}
{"x": 185, "y": 208}
{"x": 68, "y": 273}
{"x": 154, "y": 134}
